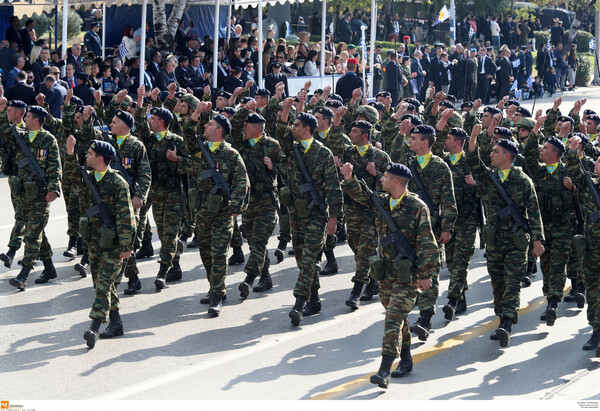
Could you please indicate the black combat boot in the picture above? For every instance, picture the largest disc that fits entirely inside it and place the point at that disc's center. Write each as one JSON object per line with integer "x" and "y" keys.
{"x": 48, "y": 274}
{"x": 450, "y": 309}
{"x": 245, "y": 286}
{"x": 237, "y": 257}
{"x": 569, "y": 298}
{"x": 406, "y": 364}
{"x": 423, "y": 325}
{"x": 133, "y": 285}
{"x": 382, "y": 378}
{"x": 370, "y": 290}
{"x": 80, "y": 246}
{"x": 341, "y": 235}
{"x": 174, "y": 273}
{"x": 531, "y": 269}
{"x": 265, "y": 283}
{"x": 331, "y": 267}
{"x": 593, "y": 342}
{"x": 354, "y": 300}
{"x": 461, "y": 305}
{"x": 183, "y": 238}
{"x": 71, "y": 250}
{"x": 21, "y": 281}
{"x": 83, "y": 267}
{"x": 296, "y": 312}
{"x": 503, "y": 332}
{"x": 552, "y": 311}
{"x": 280, "y": 251}
{"x": 91, "y": 335}
{"x": 146, "y": 250}
{"x": 216, "y": 302}
{"x": 8, "y": 257}
{"x": 115, "y": 326}
{"x": 193, "y": 243}
{"x": 580, "y": 295}
{"x": 313, "y": 306}
{"x": 161, "y": 277}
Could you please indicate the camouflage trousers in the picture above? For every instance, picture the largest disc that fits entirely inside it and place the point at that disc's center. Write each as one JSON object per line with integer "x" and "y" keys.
{"x": 36, "y": 243}
{"x": 189, "y": 222}
{"x": 459, "y": 251}
{"x": 107, "y": 270}
{"x": 143, "y": 231}
{"x": 166, "y": 209}
{"x": 214, "y": 234}
{"x": 427, "y": 299}
{"x": 308, "y": 239}
{"x": 71, "y": 197}
{"x": 131, "y": 268}
{"x": 398, "y": 299}
{"x": 553, "y": 263}
{"x": 284, "y": 225}
{"x": 506, "y": 266}
{"x": 259, "y": 221}
{"x": 591, "y": 272}
{"x": 17, "y": 233}
{"x": 574, "y": 270}
{"x": 362, "y": 239}
{"x": 236, "y": 238}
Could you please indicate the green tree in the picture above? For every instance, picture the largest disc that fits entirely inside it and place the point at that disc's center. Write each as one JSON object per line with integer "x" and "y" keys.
{"x": 74, "y": 23}
{"x": 579, "y": 7}
{"x": 42, "y": 23}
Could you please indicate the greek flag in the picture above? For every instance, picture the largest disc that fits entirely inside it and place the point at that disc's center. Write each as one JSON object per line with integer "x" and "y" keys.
{"x": 363, "y": 46}
{"x": 548, "y": 44}
{"x": 331, "y": 27}
{"x": 514, "y": 86}
{"x": 396, "y": 28}
{"x": 123, "y": 49}
{"x": 471, "y": 32}
{"x": 593, "y": 44}
{"x": 516, "y": 63}
{"x": 518, "y": 94}
{"x": 529, "y": 82}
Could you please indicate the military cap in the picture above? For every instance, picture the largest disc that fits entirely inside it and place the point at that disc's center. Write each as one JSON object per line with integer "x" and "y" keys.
{"x": 446, "y": 104}
{"x": 336, "y": 97}
{"x": 410, "y": 107}
{"x": 81, "y": 108}
{"x": 162, "y": 113}
{"x": 82, "y": 76}
{"x": 370, "y": 113}
{"x": 508, "y": 145}
{"x": 333, "y": 103}
{"x": 405, "y": 58}
{"x": 490, "y": 48}
{"x": 383, "y": 94}
{"x": 415, "y": 120}
{"x": 550, "y": 109}
{"x": 398, "y": 169}
{"x": 296, "y": 99}
{"x": 318, "y": 91}
{"x": 455, "y": 120}
{"x": 95, "y": 24}
{"x": 180, "y": 94}
{"x": 228, "y": 110}
{"x": 223, "y": 93}
{"x": 473, "y": 50}
{"x": 277, "y": 65}
{"x": 125, "y": 103}
{"x": 363, "y": 125}
{"x": 255, "y": 118}
{"x": 224, "y": 123}
{"x": 523, "y": 111}
{"x": 466, "y": 104}
{"x": 584, "y": 139}
{"x": 38, "y": 111}
{"x": 566, "y": 118}
{"x": 324, "y": 111}
{"x": 557, "y": 143}
{"x": 513, "y": 102}
{"x": 594, "y": 117}
{"x": 308, "y": 120}
{"x": 524, "y": 46}
{"x": 191, "y": 101}
{"x": 492, "y": 110}
{"x": 450, "y": 98}
{"x": 350, "y": 46}
{"x": 245, "y": 100}
{"x": 125, "y": 117}
{"x": 587, "y": 112}
{"x": 423, "y": 129}
{"x": 262, "y": 92}
{"x": 526, "y": 122}
{"x": 413, "y": 101}
{"x": 377, "y": 106}
{"x": 17, "y": 104}
{"x": 77, "y": 101}
{"x": 103, "y": 148}
{"x": 237, "y": 69}
{"x": 458, "y": 132}
{"x": 503, "y": 132}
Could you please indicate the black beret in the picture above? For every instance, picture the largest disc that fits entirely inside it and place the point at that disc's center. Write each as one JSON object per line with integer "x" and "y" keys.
{"x": 447, "y": 104}
{"x": 308, "y": 120}
{"x": 38, "y": 111}
{"x": 17, "y": 104}
{"x": 513, "y": 102}
{"x": 492, "y": 110}
{"x": 77, "y": 101}
{"x": 594, "y": 117}
{"x": 333, "y": 103}
{"x": 125, "y": 117}
{"x": 103, "y": 148}
{"x": 383, "y": 94}
{"x": 245, "y": 100}
{"x": 296, "y": 99}
{"x": 450, "y": 98}
{"x": 363, "y": 125}
{"x": 318, "y": 91}
{"x": 336, "y": 97}
{"x": 557, "y": 143}
{"x": 277, "y": 65}
{"x": 566, "y": 118}
{"x": 523, "y": 111}
{"x": 262, "y": 92}
{"x": 255, "y": 118}
{"x": 324, "y": 111}
{"x": 413, "y": 101}
{"x": 584, "y": 139}
{"x": 81, "y": 108}
{"x": 508, "y": 145}
{"x": 162, "y": 113}
{"x": 228, "y": 110}
{"x": 179, "y": 94}
{"x": 398, "y": 169}
{"x": 378, "y": 106}
{"x": 224, "y": 123}
{"x": 458, "y": 132}
{"x": 410, "y": 107}
{"x": 223, "y": 93}
{"x": 82, "y": 76}
{"x": 423, "y": 129}
{"x": 503, "y": 132}
{"x": 413, "y": 119}
{"x": 466, "y": 104}
{"x": 587, "y": 112}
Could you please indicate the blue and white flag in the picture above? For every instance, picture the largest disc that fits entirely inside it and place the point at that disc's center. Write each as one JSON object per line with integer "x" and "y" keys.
{"x": 514, "y": 86}
{"x": 518, "y": 94}
{"x": 471, "y": 32}
{"x": 363, "y": 47}
{"x": 548, "y": 44}
{"x": 516, "y": 63}
{"x": 123, "y": 49}
{"x": 396, "y": 28}
{"x": 593, "y": 44}
{"x": 331, "y": 27}
{"x": 530, "y": 82}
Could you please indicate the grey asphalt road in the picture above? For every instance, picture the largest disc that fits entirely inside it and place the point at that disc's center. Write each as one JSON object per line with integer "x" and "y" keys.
{"x": 173, "y": 350}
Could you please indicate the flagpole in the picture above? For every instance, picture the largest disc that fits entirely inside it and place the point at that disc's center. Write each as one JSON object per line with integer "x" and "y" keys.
{"x": 363, "y": 61}
{"x": 452, "y": 22}
{"x": 372, "y": 49}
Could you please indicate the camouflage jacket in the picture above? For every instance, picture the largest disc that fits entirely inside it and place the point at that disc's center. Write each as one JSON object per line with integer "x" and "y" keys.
{"x": 114, "y": 192}
{"x": 389, "y": 131}
{"x": 320, "y": 164}
{"x": 465, "y": 194}
{"x": 230, "y": 164}
{"x": 412, "y": 218}
{"x": 521, "y": 190}
{"x": 44, "y": 149}
{"x": 583, "y": 194}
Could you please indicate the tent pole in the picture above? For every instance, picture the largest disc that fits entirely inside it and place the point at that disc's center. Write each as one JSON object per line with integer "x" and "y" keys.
{"x": 142, "y": 43}
{"x": 372, "y": 50}
{"x": 56, "y": 25}
{"x": 259, "y": 73}
{"x": 323, "y": 29}
{"x": 103, "y": 30}
{"x": 216, "y": 45}
{"x": 65, "y": 22}
{"x": 229, "y": 22}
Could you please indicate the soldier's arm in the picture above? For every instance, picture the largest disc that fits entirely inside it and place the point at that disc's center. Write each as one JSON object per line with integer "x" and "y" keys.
{"x": 240, "y": 185}
{"x": 533, "y": 211}
{"x": 550, "y": 122}
{"x": 170, "y": 104}
{"x": 184, "y": 160}
{"x": 237, "y": 126}
{"x": 574, "y": 169}
{"x": 473, "y": 161}
{"x": 426, "y": 248}
{"x": 331, "y": 184}
{"x": 469, "y": 121}
{"x": 144, "y": 174}
{"x": 124, "y": 217}
{"x": 381, "y": 159}
{"x": 357, "y": 192}
{"x": 68, "y": 119}
{"x": 389, "y": 131}
{"x": 54, "y": 168}
{"x": 531, "y": 154}
{"x": 448, "y": 209}
{"x": 55, "y": 125}
{"x": 5, "y": 129}
{"x": 141, "y": 124}
{"x": 109, "y": 112}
